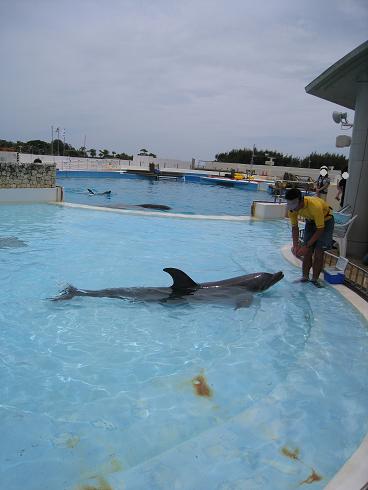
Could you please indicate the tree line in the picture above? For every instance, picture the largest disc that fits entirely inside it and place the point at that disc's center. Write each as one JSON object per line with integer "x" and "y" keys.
{"x": 244, "y": 155}
{"x": 259, "y": 157}
{"x": 58, "y": 147}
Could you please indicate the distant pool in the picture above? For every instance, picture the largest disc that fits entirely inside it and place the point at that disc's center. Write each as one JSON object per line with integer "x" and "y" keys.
{"x": 182, "y": 197}
{"x": 100, "y": 393}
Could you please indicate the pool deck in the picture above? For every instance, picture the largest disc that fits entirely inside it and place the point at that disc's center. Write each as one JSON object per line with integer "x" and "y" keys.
{"x": 354, "y": 474}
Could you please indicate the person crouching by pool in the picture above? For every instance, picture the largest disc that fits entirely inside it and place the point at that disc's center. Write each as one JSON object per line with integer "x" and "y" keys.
{"x": 318, "y": 231}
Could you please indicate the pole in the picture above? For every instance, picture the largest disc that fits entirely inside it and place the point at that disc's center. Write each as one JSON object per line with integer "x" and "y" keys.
{"x": 58, "y": 140}
{"x": 252, "y": 161}
{"x": 52, "y": 140}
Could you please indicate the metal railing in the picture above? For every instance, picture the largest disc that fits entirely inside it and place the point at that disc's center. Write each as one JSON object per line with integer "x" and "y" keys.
{"x": 356, "y": 278}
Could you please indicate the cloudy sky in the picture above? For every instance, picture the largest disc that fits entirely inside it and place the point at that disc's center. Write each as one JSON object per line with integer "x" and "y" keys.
{"x": 183, "y": 79}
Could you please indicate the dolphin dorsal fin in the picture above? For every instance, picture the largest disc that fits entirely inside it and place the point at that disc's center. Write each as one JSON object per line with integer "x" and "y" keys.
{"x": 180, "y": 279}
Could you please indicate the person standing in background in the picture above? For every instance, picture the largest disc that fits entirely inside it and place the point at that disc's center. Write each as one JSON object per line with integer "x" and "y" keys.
{"x": 340, "y": 196}
{"x": 323, "y": 183}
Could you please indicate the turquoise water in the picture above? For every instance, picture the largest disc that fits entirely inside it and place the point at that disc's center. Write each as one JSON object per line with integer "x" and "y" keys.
{"x": 94, "y": 388}
{"x": 182, "y": 197}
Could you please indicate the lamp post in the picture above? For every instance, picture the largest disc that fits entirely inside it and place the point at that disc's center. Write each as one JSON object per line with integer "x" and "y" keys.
{"x": 57, "y": 130}
{"x": 63, "y": 141}
{"x": 252, "y": 160}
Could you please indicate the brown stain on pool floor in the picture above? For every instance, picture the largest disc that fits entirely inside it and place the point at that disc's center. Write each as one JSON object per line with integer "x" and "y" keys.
{"x": 311, "y": 478}
{"x": 102, "y": 485}
{"x": 294, "y": 454}
{"x": 201, "y": 386}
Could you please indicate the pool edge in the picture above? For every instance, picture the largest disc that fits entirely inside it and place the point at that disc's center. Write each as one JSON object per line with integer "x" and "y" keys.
{"x": 156, "y": 214}
{"x": 354, "y": 473}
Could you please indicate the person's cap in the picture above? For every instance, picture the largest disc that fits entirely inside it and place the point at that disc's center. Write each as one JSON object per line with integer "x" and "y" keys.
{"x": 324, "y": 167}
{"x": 292, "y": 204}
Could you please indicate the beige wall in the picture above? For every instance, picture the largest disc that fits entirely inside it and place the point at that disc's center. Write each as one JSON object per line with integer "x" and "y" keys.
{"x": 29, "y": 195}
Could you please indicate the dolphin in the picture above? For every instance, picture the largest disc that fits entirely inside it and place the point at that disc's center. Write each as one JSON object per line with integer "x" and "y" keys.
{"x": 236, "y": 290}
{"x": 160, "y": 207}
{"x": 93, "y": 193}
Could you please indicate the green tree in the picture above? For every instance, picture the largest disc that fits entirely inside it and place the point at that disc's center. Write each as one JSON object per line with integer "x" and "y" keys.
{"x": 38, "y": 146}
{"x": 92, "y": 152}
{"x": 124, "y": 156}
{"x": 103, "y": 153}
{"x": 58, "y": 147}
{"x": 82, "y": 151}
{"x": 314, "y": 160}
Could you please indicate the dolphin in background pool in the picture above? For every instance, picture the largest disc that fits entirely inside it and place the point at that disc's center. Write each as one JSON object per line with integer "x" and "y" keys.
{"x": 93, "y": 193}
{"x": 236, "y": 290}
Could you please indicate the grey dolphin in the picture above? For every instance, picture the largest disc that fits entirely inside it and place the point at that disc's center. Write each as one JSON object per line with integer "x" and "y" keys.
{"x": 11, "y": 242}
{"x": 236, "y": 290}
{"x": 93, "y": 193}
{"x": 160, "y": 207}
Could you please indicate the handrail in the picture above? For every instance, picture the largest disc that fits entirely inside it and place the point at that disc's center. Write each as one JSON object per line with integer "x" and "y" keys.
{"x": 356, "y": 277}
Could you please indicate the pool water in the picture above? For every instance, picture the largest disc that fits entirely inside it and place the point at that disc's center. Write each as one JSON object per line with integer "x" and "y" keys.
{"x": 181, "y": 196}
{"x": 106, "y": 393}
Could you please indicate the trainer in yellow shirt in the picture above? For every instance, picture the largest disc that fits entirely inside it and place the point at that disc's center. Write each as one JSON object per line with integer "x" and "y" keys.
{"x": 318, "y": 231}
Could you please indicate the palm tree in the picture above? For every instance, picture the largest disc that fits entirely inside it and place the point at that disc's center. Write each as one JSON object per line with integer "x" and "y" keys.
{"x": 92, "y": 152}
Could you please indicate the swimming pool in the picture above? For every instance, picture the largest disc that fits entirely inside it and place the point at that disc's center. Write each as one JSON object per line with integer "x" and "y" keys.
{"x": 181, "y": 196}
{"x": 100, "y": 393}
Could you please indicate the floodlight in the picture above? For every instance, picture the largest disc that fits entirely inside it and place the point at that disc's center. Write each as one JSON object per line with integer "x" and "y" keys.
{"x": 341, "y": 118}
{"x": 343, "y": 140}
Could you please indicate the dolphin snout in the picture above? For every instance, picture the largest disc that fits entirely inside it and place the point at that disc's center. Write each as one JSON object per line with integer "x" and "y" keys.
{"x": 277, "y": 277}
{"x": 273, "y": 279}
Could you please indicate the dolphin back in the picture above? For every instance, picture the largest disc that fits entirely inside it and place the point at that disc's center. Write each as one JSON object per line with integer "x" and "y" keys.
{"x": 181, "y": 281}
{"x": 256, "y": 282}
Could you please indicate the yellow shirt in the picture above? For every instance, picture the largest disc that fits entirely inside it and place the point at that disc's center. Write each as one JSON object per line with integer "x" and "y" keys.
{"x": 314, "y": 209}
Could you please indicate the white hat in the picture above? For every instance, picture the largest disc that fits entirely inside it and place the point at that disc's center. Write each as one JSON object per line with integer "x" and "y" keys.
{"x": 324, "y": 166}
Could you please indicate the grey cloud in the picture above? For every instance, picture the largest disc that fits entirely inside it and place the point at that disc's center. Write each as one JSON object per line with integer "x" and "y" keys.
{"x": 182, "y": 77}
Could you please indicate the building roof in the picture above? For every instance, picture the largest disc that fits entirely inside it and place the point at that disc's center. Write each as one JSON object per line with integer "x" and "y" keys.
{"x": 339, "y": 83}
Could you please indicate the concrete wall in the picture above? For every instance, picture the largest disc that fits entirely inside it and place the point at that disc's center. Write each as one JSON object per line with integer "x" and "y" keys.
{"x": 32, "y": 175}
{"x": 142, "y": 160}
{"x": 8, "y": 157}
{"x": 357, "y": 185}
{"x": 53, "y": 194}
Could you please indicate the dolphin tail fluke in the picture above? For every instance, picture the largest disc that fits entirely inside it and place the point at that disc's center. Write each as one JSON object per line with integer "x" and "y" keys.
{"x": 181, "y": 281}
{"x": 68, "y": 293}
{"x": 90, "y": 191}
